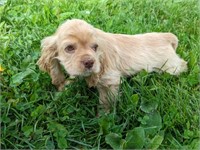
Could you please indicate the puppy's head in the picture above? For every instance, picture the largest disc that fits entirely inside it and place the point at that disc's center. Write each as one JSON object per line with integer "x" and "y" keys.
{"x": 76, "y": 47}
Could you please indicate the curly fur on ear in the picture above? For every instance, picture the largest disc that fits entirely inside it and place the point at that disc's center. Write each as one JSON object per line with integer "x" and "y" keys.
{"x": 49, "y": 47}
{"x": 49, "y": 63}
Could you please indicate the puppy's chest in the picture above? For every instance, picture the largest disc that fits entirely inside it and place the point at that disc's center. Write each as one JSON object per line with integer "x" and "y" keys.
{"x": 106, "y": 79}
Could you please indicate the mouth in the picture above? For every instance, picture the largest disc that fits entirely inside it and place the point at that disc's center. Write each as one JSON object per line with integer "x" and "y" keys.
{"x": 87, "y": 72}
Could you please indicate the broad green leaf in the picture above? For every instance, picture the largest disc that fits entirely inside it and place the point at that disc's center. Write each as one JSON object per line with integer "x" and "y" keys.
{"x": 62, "y": 142}
{"x": 34, "y": 96}
{"x": 188, "y": 134}
{"x": 156, "y": 141}
{"x": 105, "y": 124}
{"x": 135, "y": 99}
{"x": 59, "y": 132}
{"x": 17, "y": 79}
{"x": 27, "y": 130}
{"x": 135, "y": 139}
{"x": 114, "y": 140}
{"x": 195, "y": 144}
{"x": 57, "y": 129}
{"x": 148, "y": 106}
{"x": 153, "y": 123}
{"x": 38, "y": 111}
{"x": 143, "y": 120}
{"x": 5, "y": 119}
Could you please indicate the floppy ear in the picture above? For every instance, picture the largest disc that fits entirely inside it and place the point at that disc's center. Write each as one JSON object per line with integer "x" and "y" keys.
{"x": 49, "y": 63}
{"x": 49, "y": 52}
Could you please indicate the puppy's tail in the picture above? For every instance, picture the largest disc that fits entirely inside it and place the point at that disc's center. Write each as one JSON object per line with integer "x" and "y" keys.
{"x": 172, "y": 39}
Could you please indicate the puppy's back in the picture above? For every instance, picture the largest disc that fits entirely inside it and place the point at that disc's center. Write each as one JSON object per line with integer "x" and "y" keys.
{"x": 156, "y": 39}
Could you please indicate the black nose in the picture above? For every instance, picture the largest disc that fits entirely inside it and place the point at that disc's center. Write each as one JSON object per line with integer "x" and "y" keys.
{"x": 88, "y": 63}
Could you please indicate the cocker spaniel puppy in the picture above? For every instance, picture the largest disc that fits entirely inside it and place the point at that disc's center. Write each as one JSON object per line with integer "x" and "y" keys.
{"x": 102, "y": 58}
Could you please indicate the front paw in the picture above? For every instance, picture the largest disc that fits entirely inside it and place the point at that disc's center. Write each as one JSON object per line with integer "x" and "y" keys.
{"x": 61, "y": 86}
{"x": 103, "y": 109}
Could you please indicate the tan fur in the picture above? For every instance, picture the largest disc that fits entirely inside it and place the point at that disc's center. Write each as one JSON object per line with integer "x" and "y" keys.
{"x": 117, "y": 55}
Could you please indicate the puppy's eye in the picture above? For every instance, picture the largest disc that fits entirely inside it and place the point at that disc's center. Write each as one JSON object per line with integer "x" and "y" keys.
{"x": 94, "y": 47}
{"x": 70, "y": 49}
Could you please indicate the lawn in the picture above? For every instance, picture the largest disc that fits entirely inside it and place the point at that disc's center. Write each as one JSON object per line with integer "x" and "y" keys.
{"x": 154, "y": 110}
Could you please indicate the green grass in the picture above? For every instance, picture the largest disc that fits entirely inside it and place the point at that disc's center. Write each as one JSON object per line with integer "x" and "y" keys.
{"x": 154, "y": 110}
